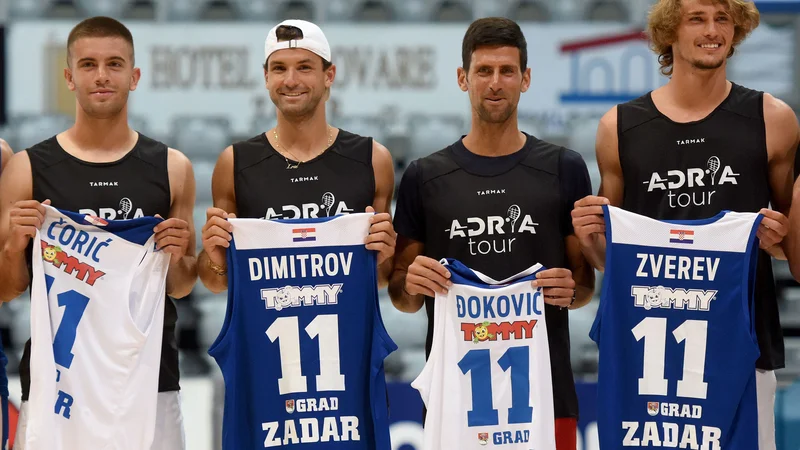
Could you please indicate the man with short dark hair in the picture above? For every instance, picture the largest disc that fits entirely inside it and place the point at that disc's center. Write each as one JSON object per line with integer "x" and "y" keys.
{"x": 101, "y": 164}
{"x": 498, "y": 200}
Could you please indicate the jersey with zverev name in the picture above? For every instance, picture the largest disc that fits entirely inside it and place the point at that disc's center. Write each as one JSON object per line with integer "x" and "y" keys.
{"x": 676, "y": 333}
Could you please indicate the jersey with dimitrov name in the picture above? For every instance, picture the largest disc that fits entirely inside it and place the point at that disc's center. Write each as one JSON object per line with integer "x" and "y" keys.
{"x": 97, "y": 313}
{"x": 303, "y": 343}
{"x": 487, "y": 381}
{"x": 676, "y": 333}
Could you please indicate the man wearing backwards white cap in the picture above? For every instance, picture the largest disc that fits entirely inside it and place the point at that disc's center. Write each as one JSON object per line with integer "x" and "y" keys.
{"x": 303, "y": 167}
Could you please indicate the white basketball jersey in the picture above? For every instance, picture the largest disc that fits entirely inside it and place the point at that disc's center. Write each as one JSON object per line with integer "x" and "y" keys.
{"x": 487, "y": 381}
{"x": 97, "y": 312}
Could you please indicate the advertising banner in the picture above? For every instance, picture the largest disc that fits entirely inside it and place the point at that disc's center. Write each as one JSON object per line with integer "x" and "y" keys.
{"x": 382, "y": 70}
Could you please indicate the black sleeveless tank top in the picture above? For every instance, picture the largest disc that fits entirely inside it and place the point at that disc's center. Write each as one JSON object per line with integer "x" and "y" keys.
{"x": 136, "y": 185}
{"x": 500, "y": 221}
{"x": 693, "y": 170}
{"x": 340, "y": 180}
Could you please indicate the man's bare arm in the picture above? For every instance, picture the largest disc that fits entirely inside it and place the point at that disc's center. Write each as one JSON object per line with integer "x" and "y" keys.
{"x": 383, "y": 167}
{"x": 783, "y": 136}
{"x": 587, "y": 217}
{"x": 406, "y": 252}
{"x": 16, "y": 185}
{"x": 5, "y": 154}
{"x": 582, "y": 272}
{"x": 223, "y": 193}
{"x": 182, "y": 274}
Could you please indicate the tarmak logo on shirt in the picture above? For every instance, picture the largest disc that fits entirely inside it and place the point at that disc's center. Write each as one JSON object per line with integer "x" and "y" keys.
{"x": 104, "y": 183}
{"x": 495, "y": 228}
{"x": 491, "y": 192}
{"x": 698, "y": 180}
{"x": 304, "y": 179}
{"x": 691, "y": 141}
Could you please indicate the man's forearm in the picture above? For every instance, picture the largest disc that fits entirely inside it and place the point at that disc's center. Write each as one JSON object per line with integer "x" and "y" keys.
{"x": 583, "y": 295}
{"x": 777, "y": 251}
{"x": 211, "y": 280}
{"x": 14, "y": 277}
{"x": 401, "y": 299}
{"x": 596, "y": 253}
{"x": 181, "y": 277}
{"x": 384, "y": 272}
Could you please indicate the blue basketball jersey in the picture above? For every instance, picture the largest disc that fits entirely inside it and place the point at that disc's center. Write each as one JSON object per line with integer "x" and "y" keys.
{"x": 675, "y": 332}
{"x": 303, "y": 343}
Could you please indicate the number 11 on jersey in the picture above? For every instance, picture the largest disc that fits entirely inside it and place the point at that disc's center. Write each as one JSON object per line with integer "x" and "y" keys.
{"x": 324, "y": 327}
{"x": 478, "y": 363}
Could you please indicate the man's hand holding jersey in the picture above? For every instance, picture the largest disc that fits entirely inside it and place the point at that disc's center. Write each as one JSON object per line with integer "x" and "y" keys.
{"x": 172, "y": 236}
{"x": 557, "y": 285}
{"x": 427, "y": 276}
{"x": 382, "y": 237}
{"x": 217, "y": 234}
{"x": 25, "y": 217}
{"x": 773, "y": 228}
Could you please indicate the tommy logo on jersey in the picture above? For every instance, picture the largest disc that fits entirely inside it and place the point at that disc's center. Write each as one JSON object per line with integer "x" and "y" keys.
{"x": 698, "y": 180}
{"x": 58, "y": 258}
{"x": 122, "y": 212}
{"x": 649, "y": 297}
{"x": 78, "y": 241}
{"x": 487, "y": 331}
{"x": 492, "y": 234}
{"x": 294, "y": 296}
{"x": 327, "y": 206}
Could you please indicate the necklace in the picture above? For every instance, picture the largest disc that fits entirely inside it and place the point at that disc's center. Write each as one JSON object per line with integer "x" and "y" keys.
{"x": 289, "y": 164}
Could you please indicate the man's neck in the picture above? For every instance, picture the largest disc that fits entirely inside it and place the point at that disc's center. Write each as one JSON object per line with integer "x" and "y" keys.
{"x": 695, "y": 89}
{"x": 304, "y": 137}
{"x": 109, "y": 135}
{"x": 494, "y": 139}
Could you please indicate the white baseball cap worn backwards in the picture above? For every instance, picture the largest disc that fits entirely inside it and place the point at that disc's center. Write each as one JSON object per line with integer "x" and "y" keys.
{"x": 313, "y": 40}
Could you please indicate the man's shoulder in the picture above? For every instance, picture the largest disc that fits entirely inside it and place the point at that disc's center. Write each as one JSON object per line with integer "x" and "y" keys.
{"x": 436, "y": 164}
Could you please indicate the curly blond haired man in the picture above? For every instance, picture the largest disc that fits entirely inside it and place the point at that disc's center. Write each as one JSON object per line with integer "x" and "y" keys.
{"x": 698, "y": 145}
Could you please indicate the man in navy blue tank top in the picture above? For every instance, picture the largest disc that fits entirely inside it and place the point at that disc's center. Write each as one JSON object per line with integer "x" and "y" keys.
{"x": 699, "y": 145}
